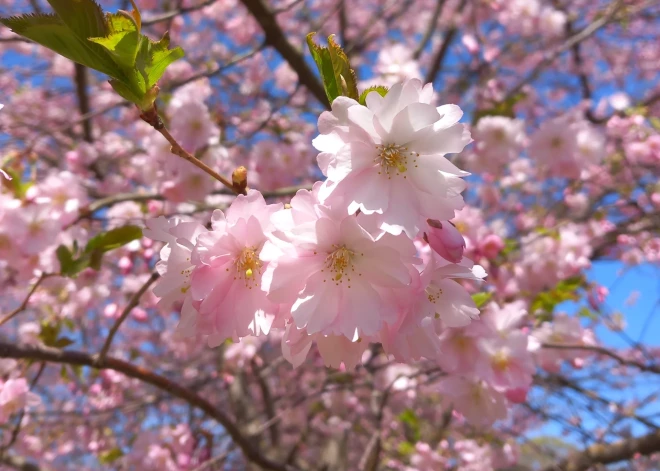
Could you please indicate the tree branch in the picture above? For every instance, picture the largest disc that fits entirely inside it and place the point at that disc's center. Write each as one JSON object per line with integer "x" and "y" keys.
{"x": 18, "y": 463}
{"x": 433, "y": 24}
{"x": 80, "y": 77}
{"x": 25, "y": 302}
{"x": 604, "y": 351}
{"x": 134, "y": 301}
{"x": 168, "y": 15}
{"x": 275, "y": 37}
{"x": 53, "y": 355}
{"x": 609, "y": 453}
{"x": 439, "y": 58}
{"x": 577, "y": 38}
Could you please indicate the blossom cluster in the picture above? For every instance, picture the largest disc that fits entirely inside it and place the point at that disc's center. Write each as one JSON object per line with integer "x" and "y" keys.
{"x": 340, "y": 265}
{"x": 367, "y": 256}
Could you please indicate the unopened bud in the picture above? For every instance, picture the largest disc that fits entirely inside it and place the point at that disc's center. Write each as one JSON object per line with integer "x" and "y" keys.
{"x": 239, "y": 179}
{"x": 445, "y": 240}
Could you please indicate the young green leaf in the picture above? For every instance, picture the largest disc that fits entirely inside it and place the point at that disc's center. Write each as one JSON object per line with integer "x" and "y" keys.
{"x": 123, "y": 46}
{"x": 380, "y": 89}
{"x": 113, "y": 239}
{"x": 338, "y": 77}
{"x": 83, "y": 17}
{"x": 51, "y": 32}
{"x": 157, "y": 58}
{"x": 480, "y": 299}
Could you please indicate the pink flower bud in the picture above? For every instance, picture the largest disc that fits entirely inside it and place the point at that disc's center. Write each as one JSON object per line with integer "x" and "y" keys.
{"x": 125, "y": 264}
{"x": 517, "y": 396}
{"x": 445, "y": 240}
{"x": 491, "y": 246}
{"x": 111, "y": 310}
{"x": 139, "y": 314}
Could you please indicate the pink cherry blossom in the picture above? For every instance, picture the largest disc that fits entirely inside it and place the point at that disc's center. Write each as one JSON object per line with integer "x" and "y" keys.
{"x": 389, "y": 157}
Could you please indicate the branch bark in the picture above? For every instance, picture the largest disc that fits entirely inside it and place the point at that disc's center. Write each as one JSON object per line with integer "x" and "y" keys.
{"x": 135, "y": 300}
{"x": 609, "y": 453}
{"x": 53, "y": 355}
{"x": 18, "y": 463}
{"x": 439, "y": 58}
{"x": 275, "y": 37}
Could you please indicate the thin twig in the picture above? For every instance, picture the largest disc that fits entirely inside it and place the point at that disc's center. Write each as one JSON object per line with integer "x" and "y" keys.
{"x": 134, "y": 301}
{"x": 606, "y": 352}
{"x": 577, "y": 38}
{"x": 25, "y": 302}
{"x": 181, "y": 152}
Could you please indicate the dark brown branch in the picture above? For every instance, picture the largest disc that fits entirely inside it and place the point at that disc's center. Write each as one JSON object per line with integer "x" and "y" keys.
{"x": 439, "y": 58}
{"x": 134, "y": 301}
{"x": 18, "y": 463}
{"x": 430, "y": 30}
{"x": 275, "y": 37}
{"x": 53, "y": 355}
{"x": 80, "y": 77}
{"x": 269, "y": 404}
{"x": 609, "y": 453}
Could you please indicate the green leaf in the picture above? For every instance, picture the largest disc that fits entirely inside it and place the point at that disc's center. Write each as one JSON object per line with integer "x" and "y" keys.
{"x": 406, "y": 448}
{"x": 123, "y": 46}
{"x": 18, "y": 187}
{"x": 113, "y": 239}
{"x": 342, "y": 69}
{"x": 587, "y": 313}
{"x": 110, "y": 456}
{"x": 92, "y": 255}
{"x": 68, "y": 265}
{"x": 125, "y": 91}
{"x": 51, "y": 32}
{"x": 412, "y": 425}
{"x": 337, "y": 75}
{"x": 503, "y": 108}
{"x": 49, "y": 333}
{"x": 565, "y": 290}
{"x": 62, "y": 342}
{"x": 380, "y": 89}
{"x": 83, "y": 17}
{"x": 157, "y": 57}
{"x": 480, "y": 299}
{"x": 63, "y": 374}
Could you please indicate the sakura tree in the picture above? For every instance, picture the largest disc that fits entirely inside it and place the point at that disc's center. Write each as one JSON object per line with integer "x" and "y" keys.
{"x": 229, "y": 243}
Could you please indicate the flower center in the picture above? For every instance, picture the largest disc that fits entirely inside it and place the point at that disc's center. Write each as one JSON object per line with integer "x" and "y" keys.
{"x": 433, "y": 293}
{"x": 500, "y": 361}
{"x": 395, "y": 159}
{"x": 247, "y": 265}
{"x": 5, "y": 242}
{"x": 340, "y": 265}
{"x": 34, "y": 228}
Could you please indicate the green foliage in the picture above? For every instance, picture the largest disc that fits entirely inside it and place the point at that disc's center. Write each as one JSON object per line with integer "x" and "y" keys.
{"x": 112, "y": 44}
{"x": 380, "y": 89}
{"x": 72, "y": 262}
{"x": 338, "y": 77}
{"x": 50, "y": 334}
{"x": 16, "y": 185}
{"x": 110, "y": 456}
{"x": 565, "y": 290}
{"x": 480, "y": 299}
{"x": 503, "y": 108}
{"x": 412, "y": 425}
